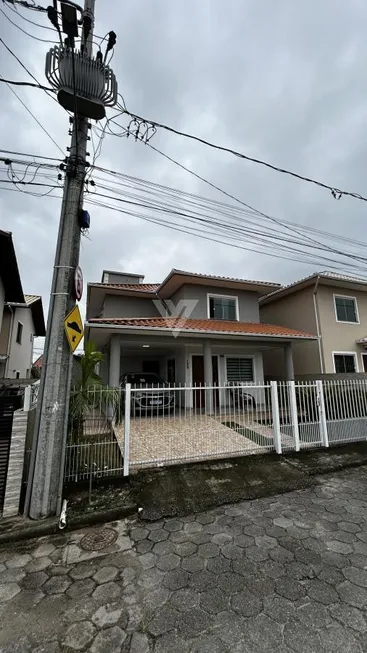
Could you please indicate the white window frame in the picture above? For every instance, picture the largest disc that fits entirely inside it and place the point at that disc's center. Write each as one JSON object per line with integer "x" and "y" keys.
{"x": 220, "y": 296}
{"x": 346, "y": 353}
{"x": 364, "y": 353}
{"x": 335, "y": 296}
{"x": 21, "y": 335}
{"x": 241, "y": 356}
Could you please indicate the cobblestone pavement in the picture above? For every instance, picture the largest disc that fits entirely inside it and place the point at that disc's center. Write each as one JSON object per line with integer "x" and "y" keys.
{"x": 282, "y": 574}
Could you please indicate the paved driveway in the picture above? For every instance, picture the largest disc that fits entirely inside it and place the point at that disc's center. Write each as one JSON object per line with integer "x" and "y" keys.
{"x": 287, "y": 573}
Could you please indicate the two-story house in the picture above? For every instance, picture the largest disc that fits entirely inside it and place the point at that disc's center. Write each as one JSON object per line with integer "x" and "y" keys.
{"x": 190, "y": 328}
{"x": 21, "y": 316}
{"x": 334, "y": 307}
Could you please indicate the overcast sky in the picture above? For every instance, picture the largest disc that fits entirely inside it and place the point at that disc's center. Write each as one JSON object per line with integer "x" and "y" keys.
{"x": 283, "y": 81}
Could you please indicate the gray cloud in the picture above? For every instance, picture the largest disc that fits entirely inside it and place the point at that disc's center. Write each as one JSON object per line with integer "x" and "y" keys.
{"x": 282, "y": 81}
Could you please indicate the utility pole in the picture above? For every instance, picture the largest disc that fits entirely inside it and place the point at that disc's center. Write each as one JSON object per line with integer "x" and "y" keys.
{"x": 44, "y": 492}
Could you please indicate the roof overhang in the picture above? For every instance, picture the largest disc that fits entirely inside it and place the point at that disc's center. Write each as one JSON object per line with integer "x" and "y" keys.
{"x": 322, "y": 279}
{"x": 196, "y": 333}
{"x": 9, "y": 271}
{"x": 178, "y": 278}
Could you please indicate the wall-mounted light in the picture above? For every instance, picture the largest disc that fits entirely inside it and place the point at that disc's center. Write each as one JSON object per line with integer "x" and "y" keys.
{"x": 146, "y": 346}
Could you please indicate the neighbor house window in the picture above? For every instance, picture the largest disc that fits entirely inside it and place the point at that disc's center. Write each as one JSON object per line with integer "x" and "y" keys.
{"x": 240, "y": 370}
{"x": 223, "y": 308}
{"x": 19, "y": 333}
{"x": 346, "y": 309}
{"x": 345, "y": 363}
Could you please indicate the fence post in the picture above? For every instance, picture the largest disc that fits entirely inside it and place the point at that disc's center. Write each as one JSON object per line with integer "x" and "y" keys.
{"x": 322, "y": 413}
{"x": 27, "y": 399}
{"x": 127, "y": 428}
{"x": 276, "y": 419}
{"x": 294, "y": 413}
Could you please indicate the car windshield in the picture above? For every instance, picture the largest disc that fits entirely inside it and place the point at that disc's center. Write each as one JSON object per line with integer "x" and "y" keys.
{"x": 145, "y": 380}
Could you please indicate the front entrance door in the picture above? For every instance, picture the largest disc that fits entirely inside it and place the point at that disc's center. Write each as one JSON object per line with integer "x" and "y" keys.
{"x": 198, "y": 379}
{"x": 151, "y": 367}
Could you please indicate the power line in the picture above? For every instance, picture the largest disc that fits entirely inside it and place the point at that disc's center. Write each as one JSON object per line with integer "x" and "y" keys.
{"x": 17, "y": 13}
{"x": 33, "y": 116}
{"x": 25, "y": 68}
{"x": 337, "y": 192}
{"x": 33, "y": 156}
{"x": 224, "y": 209}
{"x": 14, "y": 83}
{"x": 32, "y": 36}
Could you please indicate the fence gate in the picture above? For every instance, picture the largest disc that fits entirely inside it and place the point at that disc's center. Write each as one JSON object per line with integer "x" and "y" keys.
{"x": 311, "y": 413}
{"x": 6, "y": 423}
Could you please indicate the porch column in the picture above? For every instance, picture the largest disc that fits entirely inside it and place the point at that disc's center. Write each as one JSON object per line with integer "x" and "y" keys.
{"x": 114, "y": 370}
{"x": 208, "y": 375}
{"x": 288, "y": 360}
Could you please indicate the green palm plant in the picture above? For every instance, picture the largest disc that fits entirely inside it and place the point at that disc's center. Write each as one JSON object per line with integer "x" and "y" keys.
{"x": 90, "y": 393}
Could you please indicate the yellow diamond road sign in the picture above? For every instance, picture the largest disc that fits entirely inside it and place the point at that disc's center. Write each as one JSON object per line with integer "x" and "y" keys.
{"x": 74, "y": 328}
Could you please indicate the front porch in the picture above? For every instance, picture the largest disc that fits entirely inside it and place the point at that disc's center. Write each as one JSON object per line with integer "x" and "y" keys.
{"x": 197, "y": 363}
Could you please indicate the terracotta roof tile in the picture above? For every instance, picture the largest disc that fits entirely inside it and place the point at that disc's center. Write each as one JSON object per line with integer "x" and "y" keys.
{"x": 209, "y": 326}
{"x": 144, "y": 287}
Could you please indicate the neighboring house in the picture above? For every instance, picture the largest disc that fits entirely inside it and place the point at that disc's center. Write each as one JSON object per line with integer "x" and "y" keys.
{"x": 191, "y": 328}
{"x": 334, "y": 307}
{"x": 21, "y": 316}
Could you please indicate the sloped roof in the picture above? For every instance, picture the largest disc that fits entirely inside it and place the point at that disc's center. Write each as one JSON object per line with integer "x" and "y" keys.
{"x": 326, "y": 277}
{"x": 139, "y": 287}
{"x": 38, "y": 363}
{"x": 207, "y": 326}
{"x": 35, "y": 304}
{"x": 9, "y": 271}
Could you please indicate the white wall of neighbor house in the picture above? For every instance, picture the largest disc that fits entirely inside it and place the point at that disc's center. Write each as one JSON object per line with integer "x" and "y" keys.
{"x": 20, "y": 359}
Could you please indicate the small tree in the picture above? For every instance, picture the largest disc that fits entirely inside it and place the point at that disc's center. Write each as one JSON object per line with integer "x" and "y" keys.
{"x": 89, "y": 391}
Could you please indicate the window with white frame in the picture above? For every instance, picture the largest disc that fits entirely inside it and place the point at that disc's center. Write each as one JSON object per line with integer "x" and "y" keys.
{"x": 19, "y": 333}
{"x": 345, "y": 363}
{"x": 364, "y": 361}
{"x": 240, "y": 370}
{"x": 222, "y": 307}
{"x": 346, "y": 309}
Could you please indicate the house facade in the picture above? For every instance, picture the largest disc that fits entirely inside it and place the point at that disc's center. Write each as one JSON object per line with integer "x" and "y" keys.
{"x": 190, "y": 329}
{"x": 332, "y": 306}
{"x": 21, "y": 316}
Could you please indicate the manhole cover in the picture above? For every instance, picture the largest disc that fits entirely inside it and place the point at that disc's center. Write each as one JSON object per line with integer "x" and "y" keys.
{"x": 99, "y": 539}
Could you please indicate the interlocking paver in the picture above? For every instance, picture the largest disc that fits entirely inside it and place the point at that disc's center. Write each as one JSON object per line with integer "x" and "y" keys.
{"x": 276, "y": 575}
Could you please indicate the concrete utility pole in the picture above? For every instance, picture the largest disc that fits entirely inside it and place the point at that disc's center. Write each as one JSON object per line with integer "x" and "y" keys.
{"x": 45, "y": 487}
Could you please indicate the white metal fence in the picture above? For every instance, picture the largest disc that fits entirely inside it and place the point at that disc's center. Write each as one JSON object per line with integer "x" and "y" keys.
{"x": 141, "y": 427}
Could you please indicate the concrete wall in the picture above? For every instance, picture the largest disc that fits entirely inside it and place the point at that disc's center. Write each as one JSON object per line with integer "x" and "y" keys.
{"x": 338, "y": 336}
{"x": 20, "y": 359}
{"x": 247, "y": 301}
{"x": 117, "y": 277}
{"x": 297, "y": 312}
{"x": 16, "y": 462}
{"x": 2, "y": 301}
{"x": 122, "y": 306}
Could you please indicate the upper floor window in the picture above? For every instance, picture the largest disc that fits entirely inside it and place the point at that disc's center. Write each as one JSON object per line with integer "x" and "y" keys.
{"x": 19, "y": 333}
{"x": 223, "y": 307}
{"x": 346, "y": 309}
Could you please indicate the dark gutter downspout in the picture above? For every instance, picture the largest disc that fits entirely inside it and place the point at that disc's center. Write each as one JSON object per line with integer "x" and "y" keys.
{"x": 317, "y": 320}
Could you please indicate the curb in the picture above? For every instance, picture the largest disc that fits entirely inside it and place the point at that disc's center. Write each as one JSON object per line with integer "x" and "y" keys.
{"x": 41, "y": 529}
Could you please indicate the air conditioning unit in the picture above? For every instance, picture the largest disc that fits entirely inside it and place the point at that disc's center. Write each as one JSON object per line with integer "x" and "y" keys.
{"x": 84, "y": 84}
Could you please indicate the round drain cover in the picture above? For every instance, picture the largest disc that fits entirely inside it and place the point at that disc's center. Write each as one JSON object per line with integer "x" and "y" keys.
{"x": 98, "y": 539}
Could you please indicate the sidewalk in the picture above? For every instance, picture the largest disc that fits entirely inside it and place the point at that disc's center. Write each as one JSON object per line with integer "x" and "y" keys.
{"x": 188, "y": 489}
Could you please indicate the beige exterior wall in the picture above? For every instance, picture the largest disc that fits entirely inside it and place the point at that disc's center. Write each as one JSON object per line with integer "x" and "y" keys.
{"x": 338, "y": 336}
{"x": 20, "y": 359}
{"x": 297, "y": 312}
